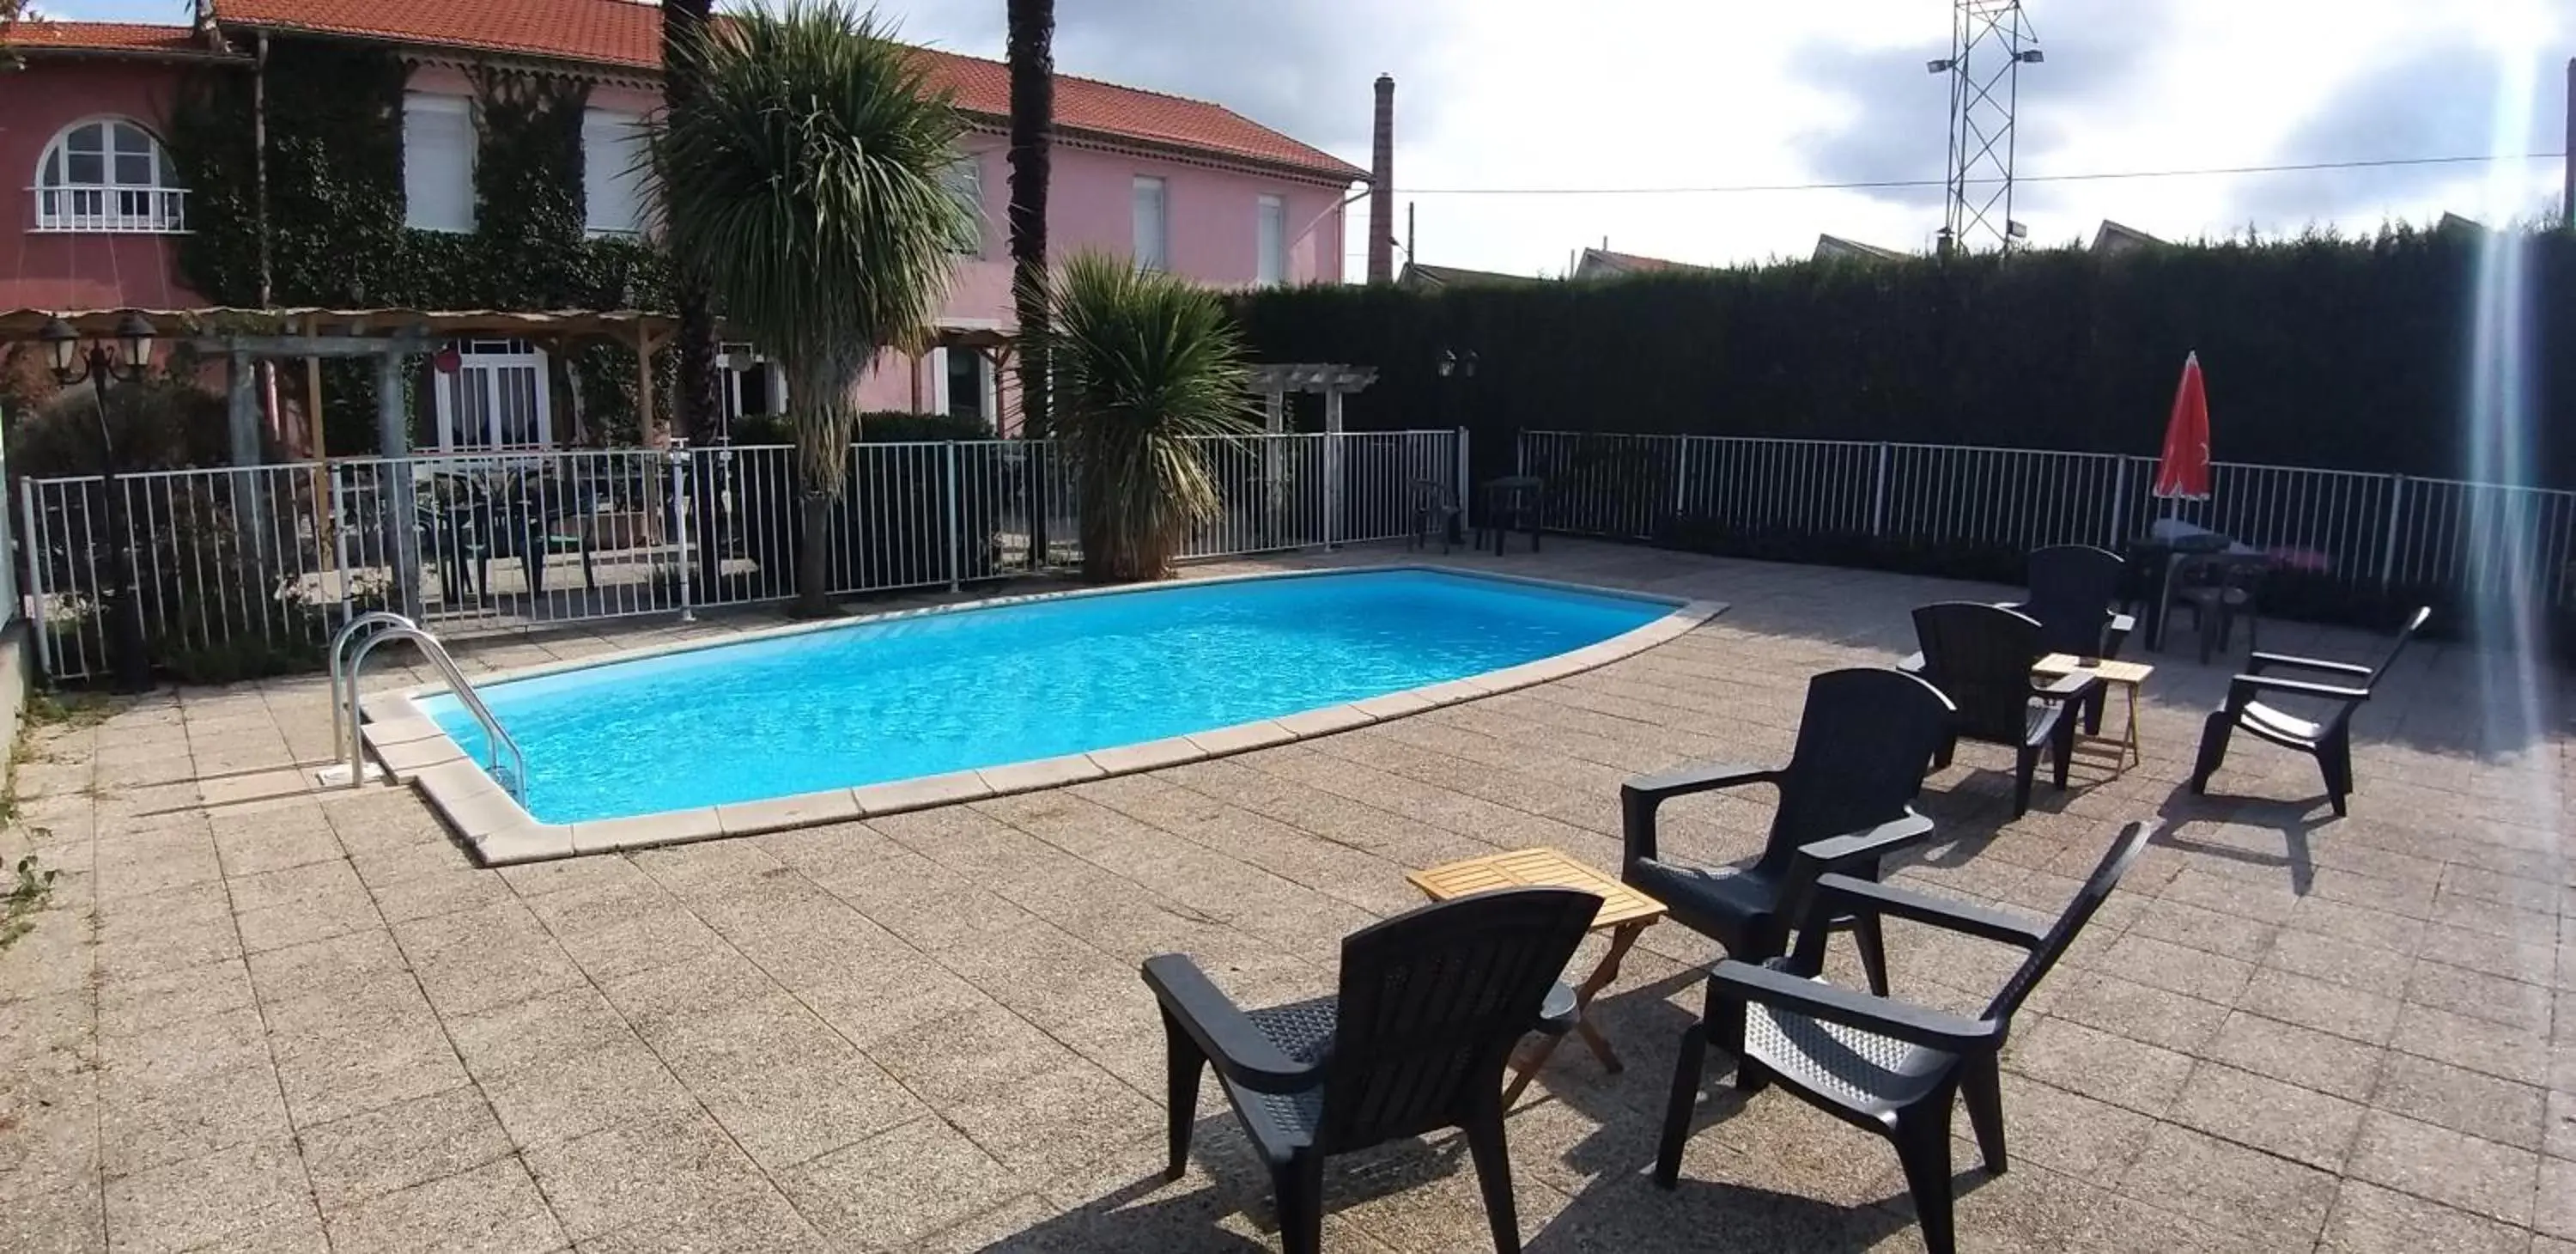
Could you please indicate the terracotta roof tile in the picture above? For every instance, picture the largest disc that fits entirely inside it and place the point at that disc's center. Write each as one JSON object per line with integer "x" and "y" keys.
{"x": 40, "y": 34}
{"x": 628, "y": 35}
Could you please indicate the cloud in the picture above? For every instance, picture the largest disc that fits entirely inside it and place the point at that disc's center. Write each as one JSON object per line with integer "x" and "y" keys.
{"x": 2433, "y": 99}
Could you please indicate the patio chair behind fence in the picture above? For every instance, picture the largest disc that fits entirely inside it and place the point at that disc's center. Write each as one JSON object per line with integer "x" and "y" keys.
{"x": 2338, "y": 535}
{"x": 237, "y": 566}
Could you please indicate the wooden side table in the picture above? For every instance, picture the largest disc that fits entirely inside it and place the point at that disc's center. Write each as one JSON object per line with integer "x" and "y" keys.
{"x": 1624, "y": 910}
{"x": 2126, "y": 676}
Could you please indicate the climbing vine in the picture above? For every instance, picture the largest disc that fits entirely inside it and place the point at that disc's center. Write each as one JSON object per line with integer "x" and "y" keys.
{"x": 337, "y": 237}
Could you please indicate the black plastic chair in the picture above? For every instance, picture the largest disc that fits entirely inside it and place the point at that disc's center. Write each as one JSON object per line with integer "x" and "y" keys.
{"x": 2219, "y": 589}
{"x": 1865, "y": 741}
{"x": 1980, "y": 657}
{"x": 1510, "y": 504}
{"x": 1434, "y": 511}
{"x": 2075, "y": 590}
{"x": 1885, "y": 1066}
{"x": 1431, "y": 1004}
{"x": 2328, "y": 740}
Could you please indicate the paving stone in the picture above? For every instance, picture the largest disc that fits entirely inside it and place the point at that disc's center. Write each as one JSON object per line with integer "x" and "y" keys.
{"x": 493, "y": 1209}
{"x": 2481, "y": 1177}
{"x": 2299, "y": 1124}
{"x": 2245, "y": 1191}
{"x": 2301, "y": 1056}
{"x": 909, "y": 1182}
{"x": 196, "y": 1201}
{"x": 2368, "y": 1219}
{"x": 2461, "y": 1100}
{"x": 385, "y": 1151}
{"x": 669, "y": 1172}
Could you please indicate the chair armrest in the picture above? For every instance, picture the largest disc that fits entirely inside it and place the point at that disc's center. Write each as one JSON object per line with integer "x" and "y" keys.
{"x": 1911, "y": 663}
{"x": 1915, "y": 1025}
{"x": 2283, "y": 661}
{"x": 1844, "y": 894}
{"x": 2244, "y": 688}
{"x": 2066, "y": 687}
{"x": 1557, "y": 1014}
{"x": 2116, "y": 633}
{"x": 1886, "y": 838}
{"x": 1640, "y": 797}
{"x": 1230, "y": 1040}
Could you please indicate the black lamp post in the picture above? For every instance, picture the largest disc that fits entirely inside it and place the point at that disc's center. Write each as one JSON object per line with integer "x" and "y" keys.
{"x": 1455, "y": 364}
{"x": 101, "y": 363}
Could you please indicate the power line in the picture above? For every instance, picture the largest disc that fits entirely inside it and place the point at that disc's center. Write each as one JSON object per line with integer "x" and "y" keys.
{"x": 2095, "y": 176}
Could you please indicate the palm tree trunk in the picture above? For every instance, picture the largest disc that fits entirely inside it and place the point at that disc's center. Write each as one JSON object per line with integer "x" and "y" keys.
{"x": 1032, "y": 67}
{"x": 700, "y": 404}
{"x": 826, "y": 420}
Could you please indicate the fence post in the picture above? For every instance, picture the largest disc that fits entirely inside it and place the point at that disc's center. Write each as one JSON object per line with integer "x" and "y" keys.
{"x": 1332, "y": 467}
{"x": 956, "y": 538}
{"x": 38, "y": 616}
{"x": 1681, "y": 473}
{"x": 2119, "y": 501}
{"x": 2388, "y": 553}
{"x": 1520, "y": 453}
{"x": 1878, "y": 490}
{"x": 679, "y": 458}
{"x": 340, "y": 536}
{"x": 1466, "y": 489}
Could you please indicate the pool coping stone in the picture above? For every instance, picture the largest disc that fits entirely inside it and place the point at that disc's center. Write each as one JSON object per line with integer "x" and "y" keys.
{"x": 502, "y": 832}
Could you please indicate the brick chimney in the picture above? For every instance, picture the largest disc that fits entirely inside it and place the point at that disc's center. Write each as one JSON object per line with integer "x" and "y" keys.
{"x": 1381, "y": 215}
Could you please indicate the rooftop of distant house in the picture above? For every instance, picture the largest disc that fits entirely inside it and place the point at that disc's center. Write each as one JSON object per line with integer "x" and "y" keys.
{"x": 622, "y": 35}
{"x": 1599, "y": 263}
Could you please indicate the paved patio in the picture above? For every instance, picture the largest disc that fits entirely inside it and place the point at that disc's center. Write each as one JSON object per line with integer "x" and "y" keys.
{"x": 263, "y": 1019}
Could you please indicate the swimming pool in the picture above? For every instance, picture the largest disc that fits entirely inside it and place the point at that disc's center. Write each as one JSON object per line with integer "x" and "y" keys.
{"x": 929, "y": 694}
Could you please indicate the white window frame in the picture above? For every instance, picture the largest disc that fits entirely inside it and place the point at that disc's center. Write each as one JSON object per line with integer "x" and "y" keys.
{"x": 612, "y": 143}
{"x": 1270, "y": 241}
{"x": 110, "y": 205}
{"x": 1153, "y": 241}
{"x": 497, "y": 355}
{"x": 416, "y": 181}
{"x": 964, "y": 179}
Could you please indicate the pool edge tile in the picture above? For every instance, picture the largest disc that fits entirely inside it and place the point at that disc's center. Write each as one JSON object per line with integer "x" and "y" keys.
{"x": 919, "y": 793}
{"x": 780, "y": 814}
{"x": 1242, "y": 737}
{"x": 1393, "y": 704}
{"x": 1037, "y": 773}
{"x": 526, "y": 842}
{"x": 1306, "y": 724}
{"x": 647, "y": 831}
{"x": 1148, "y": 755}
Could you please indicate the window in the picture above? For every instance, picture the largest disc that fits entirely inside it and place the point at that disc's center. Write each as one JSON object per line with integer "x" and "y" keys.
{"x": 750, "y": 383}
{"x": 438, "y": 163}
{"x": 968, "y": 373}
{"x": 495, "y": 400}
{"x": 1273, "y": 266}
{"x": 965, "y": 181}
{"x": 1153, "y": 226}
{"x": 107, "y": 176}
{"x": 613, "y": 172}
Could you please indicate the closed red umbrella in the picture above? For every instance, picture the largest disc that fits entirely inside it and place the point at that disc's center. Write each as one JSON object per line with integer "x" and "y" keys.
{"x": 2183, "y": 472}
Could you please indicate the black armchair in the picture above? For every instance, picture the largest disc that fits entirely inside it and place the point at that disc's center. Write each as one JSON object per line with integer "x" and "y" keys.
{"x": 1980, "y": 657}
{"x": 1865, "y": 741}
{"x": 2074, "y": 592}
{"x": 2327, "y": 739}
{"x": 1881, "y": 1065}
{"x": 1431, "y": 1003}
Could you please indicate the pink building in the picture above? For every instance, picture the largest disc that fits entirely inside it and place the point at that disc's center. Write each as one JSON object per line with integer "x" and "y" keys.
{"x": 90, "y": 218}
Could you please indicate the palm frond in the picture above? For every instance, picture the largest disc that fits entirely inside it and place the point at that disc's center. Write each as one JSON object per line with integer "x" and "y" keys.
{"x": 1147, "y": 368}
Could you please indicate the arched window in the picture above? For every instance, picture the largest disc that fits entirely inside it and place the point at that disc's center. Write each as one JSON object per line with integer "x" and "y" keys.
{"x": 108, "y": 175}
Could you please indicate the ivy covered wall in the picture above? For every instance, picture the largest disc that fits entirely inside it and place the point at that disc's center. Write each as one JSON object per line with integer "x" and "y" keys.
{"x": 336, "y": 232}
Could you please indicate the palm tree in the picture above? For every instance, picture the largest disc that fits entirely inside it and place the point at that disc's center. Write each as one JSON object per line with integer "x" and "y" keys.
{"x": 804, "y": 187}
{"x": 1032, "y": 63}
{"x": 700, "y": 403}
{"x": 1145, "y": 365}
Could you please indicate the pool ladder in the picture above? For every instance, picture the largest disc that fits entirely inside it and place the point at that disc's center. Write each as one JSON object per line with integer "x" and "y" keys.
{"x": 346, "y": 666}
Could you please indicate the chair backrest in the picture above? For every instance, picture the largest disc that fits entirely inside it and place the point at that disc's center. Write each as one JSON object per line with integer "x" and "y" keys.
{"x": 2097, "y": 888}
{"x": 1431, "y": 496}
{"x": 2072, "y": 589}
{"x": 1980, "y": 656}
{"x": 1432, "y": 1002}
{"x": 1865, "y": 742}
{"x": 2414, "y": 623}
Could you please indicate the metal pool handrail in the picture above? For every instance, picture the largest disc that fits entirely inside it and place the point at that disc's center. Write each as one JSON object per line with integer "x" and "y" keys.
{"x": 344, "y": 713}
{"x": 495, "y": 738}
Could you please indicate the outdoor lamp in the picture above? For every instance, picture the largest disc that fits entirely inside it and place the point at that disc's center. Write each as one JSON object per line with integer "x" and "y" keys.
{"x": 62, "y": 345}
{"x": 134, "y": 331}
{"x": 2031, "y": 56}
{"x": 1939, "y": 65}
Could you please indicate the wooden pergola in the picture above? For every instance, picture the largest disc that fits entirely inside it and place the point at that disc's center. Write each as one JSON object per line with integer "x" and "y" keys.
{"x": 240, "y": 337}
{"x": 1332, "y": 382}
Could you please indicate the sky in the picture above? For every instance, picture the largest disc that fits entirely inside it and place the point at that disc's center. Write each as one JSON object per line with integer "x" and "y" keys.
{"x": 1662, "y": 94}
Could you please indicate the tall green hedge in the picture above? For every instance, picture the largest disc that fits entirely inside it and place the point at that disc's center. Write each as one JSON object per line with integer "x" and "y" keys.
{"x": 2347, "y": 353}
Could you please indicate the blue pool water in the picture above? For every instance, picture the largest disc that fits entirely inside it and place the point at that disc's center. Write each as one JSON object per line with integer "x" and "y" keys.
{"x": 878, "y": 701}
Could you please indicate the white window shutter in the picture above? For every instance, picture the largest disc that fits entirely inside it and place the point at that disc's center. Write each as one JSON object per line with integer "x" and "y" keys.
{"x": 438, "y": 162}
{"x": 1153, "y": 225}
{"x": 613, "y": 180}
{"x": 1271, "y": 268}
